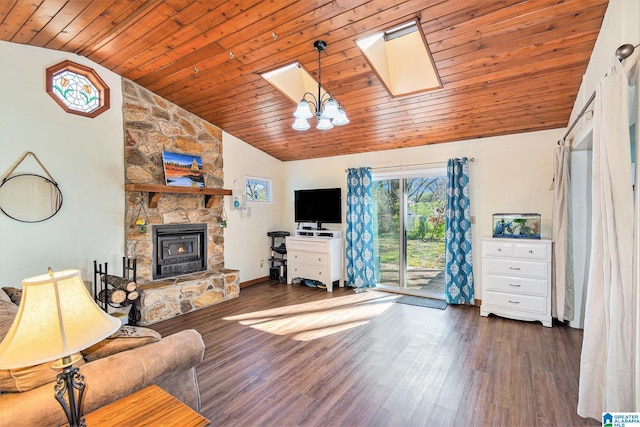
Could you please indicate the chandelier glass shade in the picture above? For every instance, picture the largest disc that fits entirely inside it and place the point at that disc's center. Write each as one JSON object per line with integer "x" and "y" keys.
{"x": 326, "y": 109}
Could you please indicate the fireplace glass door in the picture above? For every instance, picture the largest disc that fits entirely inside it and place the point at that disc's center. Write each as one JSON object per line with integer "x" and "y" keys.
{"x": 179, "y": 249}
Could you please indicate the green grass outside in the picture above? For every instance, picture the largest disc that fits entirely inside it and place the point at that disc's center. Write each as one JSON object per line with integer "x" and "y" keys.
{"x": 425, "y": 254}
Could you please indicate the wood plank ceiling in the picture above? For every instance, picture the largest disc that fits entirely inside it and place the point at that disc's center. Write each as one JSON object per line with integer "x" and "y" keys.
{"x": 507, "y": 66}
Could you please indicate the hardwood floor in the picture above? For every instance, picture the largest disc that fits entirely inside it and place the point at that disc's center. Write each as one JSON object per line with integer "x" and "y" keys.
{"x": 290, "y": 355}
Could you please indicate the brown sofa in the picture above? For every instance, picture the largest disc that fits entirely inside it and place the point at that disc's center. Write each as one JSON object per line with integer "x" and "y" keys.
{"x": 115, "y": 368}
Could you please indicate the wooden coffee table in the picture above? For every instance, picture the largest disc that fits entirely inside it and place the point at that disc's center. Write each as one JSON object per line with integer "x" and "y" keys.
{"x": 151, "y": 406}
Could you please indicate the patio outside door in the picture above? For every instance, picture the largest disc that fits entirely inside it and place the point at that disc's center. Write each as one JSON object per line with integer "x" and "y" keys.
{"x": 409, "y": 210}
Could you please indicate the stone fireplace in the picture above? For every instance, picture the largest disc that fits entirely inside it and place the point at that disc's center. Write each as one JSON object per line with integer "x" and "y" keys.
{"x": 190, "y": 272}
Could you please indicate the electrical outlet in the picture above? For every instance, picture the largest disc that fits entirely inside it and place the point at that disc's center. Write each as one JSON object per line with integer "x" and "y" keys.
{"x": 261, "y": 263}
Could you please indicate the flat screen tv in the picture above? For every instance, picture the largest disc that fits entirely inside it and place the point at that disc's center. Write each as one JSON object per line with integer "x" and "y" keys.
{"x": 321, "y": 205}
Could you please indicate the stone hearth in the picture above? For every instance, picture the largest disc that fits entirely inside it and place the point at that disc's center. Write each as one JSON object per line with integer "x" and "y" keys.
{"x": 168, "y": 298}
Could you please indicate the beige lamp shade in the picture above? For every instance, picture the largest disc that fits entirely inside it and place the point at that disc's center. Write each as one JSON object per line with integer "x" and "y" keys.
{"x": 57, "y": 317}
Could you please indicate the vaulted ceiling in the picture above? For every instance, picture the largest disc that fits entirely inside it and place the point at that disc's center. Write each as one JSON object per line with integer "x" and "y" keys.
{"x": 507, "y": 66}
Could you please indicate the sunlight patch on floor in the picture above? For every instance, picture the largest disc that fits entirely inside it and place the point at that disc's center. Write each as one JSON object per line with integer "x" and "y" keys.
{"x": 313, "y": 320}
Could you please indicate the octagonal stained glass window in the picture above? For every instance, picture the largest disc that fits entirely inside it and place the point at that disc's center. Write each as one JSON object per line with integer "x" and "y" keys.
{"x": 77, "y": 89}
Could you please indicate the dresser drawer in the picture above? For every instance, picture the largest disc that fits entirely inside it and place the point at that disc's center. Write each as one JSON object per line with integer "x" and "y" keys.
{"x": 516, "y": 285}
{"x": 532, "y": 251}
{"x": 527, "y": 303}
{"x": 305, "y": 271}
{"x": 314, "y": 258}
{"x": 307, "y": 245}
{"x": 515, "y": 267}
{"x": 497, "y": 249}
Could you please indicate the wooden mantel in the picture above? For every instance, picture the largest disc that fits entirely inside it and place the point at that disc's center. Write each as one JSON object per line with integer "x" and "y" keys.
{"x": 156, "y": 190}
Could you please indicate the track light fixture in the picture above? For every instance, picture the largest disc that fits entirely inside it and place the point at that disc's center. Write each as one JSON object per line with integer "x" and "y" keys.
{"x": 327, "y": 109}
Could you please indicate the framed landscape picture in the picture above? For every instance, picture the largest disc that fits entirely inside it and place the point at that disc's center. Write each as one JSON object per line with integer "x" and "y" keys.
{"x": 182, "y": 170}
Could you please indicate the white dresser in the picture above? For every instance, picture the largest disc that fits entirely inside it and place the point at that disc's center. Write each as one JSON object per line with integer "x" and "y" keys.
{"x": 315, "y": 258}
{"x": 516, "y": 279}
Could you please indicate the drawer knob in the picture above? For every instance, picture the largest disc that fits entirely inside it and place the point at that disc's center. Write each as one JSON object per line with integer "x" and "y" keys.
{"x": 514, "y": 302}
{"x": 530, "y": 251}
{"x": 499, "y": 249}
{"x": 514, "y": 286}
{"x": 514, "y": 268}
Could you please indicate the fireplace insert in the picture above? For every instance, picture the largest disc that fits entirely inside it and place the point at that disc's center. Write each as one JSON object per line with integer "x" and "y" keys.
{"x": 179, "y": 249}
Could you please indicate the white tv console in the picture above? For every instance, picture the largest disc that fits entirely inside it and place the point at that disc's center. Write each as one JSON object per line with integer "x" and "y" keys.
{"x": 316, "y": 255}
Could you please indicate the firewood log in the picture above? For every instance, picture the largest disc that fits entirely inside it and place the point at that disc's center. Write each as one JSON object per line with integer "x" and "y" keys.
{"x": 119, "y": 282}
{"x": 133, "y": 295}
{"x": 115, "y": 297}
{"x": 118, "y": 296}
{"x": 105, "y": 295}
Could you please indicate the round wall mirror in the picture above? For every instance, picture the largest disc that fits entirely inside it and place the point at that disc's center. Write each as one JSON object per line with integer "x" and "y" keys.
{"x": 29, "y": 198}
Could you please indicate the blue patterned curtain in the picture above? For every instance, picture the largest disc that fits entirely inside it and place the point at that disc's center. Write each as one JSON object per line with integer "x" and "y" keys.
{"x": 458, "y": 265}
{"x": 359, "y": 238}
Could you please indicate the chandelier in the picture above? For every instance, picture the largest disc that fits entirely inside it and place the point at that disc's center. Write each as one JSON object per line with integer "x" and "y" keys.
{"x": 327, "y": 109}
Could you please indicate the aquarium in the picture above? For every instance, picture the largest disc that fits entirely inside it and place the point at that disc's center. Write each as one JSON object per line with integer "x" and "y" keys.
{"x": 516, "y": 225}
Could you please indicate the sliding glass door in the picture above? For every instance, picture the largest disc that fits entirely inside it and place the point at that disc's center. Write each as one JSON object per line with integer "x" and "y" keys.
{"x": 387, "y": 248}
{"x": 409, "y": 209}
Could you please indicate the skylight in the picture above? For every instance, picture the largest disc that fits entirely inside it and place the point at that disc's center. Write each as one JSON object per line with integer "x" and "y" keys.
{"x": 401, "y": 58}
{"x": 293, "y": 81}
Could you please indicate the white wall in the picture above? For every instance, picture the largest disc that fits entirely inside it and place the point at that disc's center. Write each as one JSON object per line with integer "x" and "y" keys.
{"x": 510, "y": 174}
{"x": 245, "y": 239}
{"x": 84, "y": 156}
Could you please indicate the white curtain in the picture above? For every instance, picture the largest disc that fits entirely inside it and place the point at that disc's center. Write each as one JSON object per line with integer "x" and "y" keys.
{"x": 635, "y": 115}
{"x": 607, "y": 360}
{"x": 563, "y": 293}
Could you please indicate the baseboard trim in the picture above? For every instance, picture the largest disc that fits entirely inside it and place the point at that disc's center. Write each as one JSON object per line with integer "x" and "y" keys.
{"x": 253, "y": 282}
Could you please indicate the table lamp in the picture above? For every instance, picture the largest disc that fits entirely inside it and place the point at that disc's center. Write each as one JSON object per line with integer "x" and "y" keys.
{"x": 57, "y": 318}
